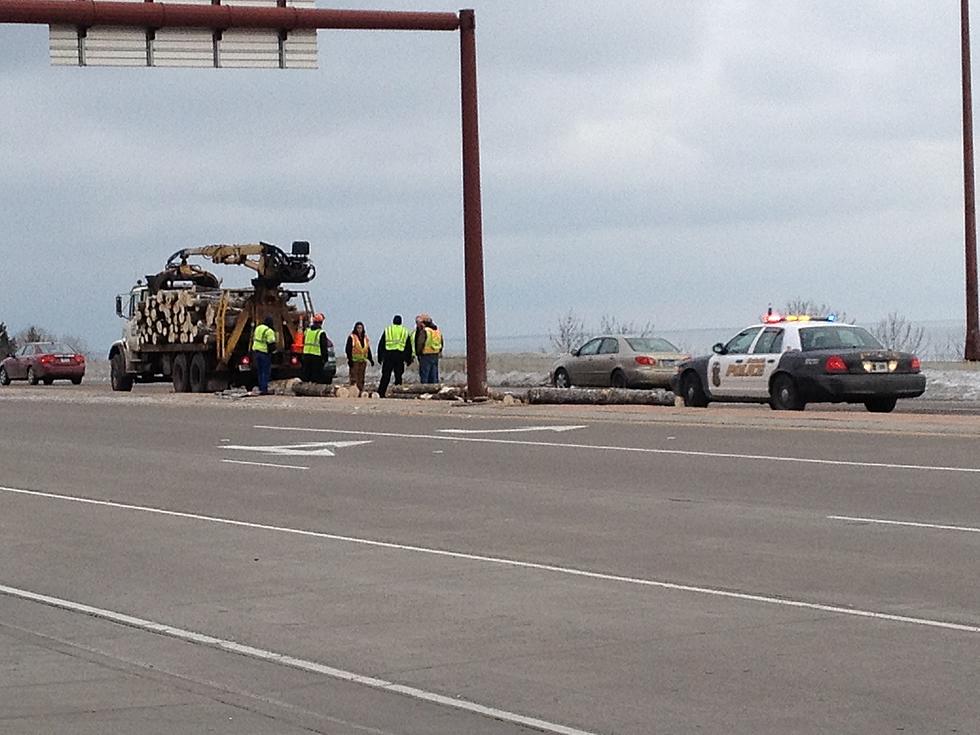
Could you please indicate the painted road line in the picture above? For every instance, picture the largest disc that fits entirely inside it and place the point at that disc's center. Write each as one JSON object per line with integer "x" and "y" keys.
{"x": 556, "y": 429}
{"x": 638, "y": 450}
{"x": 309, "y": 449}
{"x": 913, "y": 524}
{"x": 291, "y": 661}
{"x": 519, "y": 564}
{"x": 265, "y": 464}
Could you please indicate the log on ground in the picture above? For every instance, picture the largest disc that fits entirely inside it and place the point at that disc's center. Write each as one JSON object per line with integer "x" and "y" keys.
{"x": 316, "y": 390}
{"x": 600, "y": 396}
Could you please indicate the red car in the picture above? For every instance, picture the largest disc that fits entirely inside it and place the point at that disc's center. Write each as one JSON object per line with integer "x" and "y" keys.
{"x": 43, "y": 362}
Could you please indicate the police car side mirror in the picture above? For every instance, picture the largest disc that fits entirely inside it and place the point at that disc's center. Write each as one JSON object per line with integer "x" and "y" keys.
{"x": 719, "y": 349}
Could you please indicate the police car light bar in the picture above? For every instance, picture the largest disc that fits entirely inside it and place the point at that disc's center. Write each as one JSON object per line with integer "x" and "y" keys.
{"x": 774, "y": 317}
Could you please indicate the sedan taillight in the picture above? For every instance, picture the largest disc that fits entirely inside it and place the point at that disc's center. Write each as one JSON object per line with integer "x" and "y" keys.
{"x": 645, "y": 360}
{"x": 835, "y": 364}
{"x": 46, "y": 359}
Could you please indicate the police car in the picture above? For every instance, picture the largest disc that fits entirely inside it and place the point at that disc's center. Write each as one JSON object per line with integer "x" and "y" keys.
{"x": 789, "y": 361}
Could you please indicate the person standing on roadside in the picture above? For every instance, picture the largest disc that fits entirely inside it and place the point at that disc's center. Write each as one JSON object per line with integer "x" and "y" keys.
{"x": 394, "y": 352}
{"x": 358, "y": 355}
{"x": 263, "y": 345}
{"x": 430, "y": 352}
{"x": 314, "y": 350}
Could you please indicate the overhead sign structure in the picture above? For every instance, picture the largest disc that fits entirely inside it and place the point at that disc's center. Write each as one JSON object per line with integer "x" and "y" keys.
{"x": 237, "y": 33}
{"x": 107, "y": 45}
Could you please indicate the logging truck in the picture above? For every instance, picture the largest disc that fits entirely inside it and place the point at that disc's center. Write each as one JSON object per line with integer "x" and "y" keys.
{"x": 182, "y": 326}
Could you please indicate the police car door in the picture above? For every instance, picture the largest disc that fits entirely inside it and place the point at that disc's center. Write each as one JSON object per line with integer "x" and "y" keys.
{"x": 766, "y": 353}
{"x": 728, "y": 370}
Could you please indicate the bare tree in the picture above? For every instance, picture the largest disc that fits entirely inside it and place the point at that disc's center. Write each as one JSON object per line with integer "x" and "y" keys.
{"x": 611, "y": 325}
{"x": 8, "y": 346}
{"x": 76, "y": 343}
{"x": 897, "y": 333}
{"x": 34, "y": 333}
{"x": 812, "y": 308}
{"x": 570, "y": 333}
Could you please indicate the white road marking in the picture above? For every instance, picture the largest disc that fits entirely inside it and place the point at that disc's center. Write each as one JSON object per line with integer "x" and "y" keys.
{"x": 913, "y": 524}
{"x": 639, "y": 450}
{"x": 291, "y": 661}
{"x": 265, "y": 464}
{"x": 516, "y": 563}
{"x": 556, "y": 429}
{"x": 310, "y": 449}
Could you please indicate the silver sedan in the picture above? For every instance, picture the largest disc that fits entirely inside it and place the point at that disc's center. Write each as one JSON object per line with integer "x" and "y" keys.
{"x": 619, "y": 361}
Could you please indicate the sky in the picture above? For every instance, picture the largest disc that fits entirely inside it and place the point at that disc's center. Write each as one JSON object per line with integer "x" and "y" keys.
{"x": 678, "y": 163}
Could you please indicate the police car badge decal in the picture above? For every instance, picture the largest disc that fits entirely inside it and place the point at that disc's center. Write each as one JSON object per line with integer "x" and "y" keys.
{"x": 716, "y": 374}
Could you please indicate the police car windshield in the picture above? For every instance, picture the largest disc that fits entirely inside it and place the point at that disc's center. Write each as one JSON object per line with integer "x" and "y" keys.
{"x": 836, "y": 338}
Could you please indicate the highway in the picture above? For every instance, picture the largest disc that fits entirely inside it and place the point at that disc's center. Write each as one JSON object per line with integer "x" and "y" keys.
{"x": 186, "y": 565}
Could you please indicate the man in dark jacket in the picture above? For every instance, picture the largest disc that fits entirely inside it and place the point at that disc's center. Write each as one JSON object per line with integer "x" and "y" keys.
{"x": 315, "y": 347}
{"x": 394, "y": 352}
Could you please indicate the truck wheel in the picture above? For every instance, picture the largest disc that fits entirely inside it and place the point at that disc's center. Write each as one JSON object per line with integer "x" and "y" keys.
{"x": 180, "y": 372}
{"x": 198, "y": 377}
{"x": 118, "y": 377}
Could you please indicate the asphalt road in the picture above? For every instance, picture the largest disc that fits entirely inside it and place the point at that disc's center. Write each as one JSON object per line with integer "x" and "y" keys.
{"x": 195, "y": 567}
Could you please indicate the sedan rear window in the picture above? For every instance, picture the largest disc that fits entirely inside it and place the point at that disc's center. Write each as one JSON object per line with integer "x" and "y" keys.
{"x": 54, "y": 348}
{"x": 650, "y": 344}
{"x": 836, "y": 338}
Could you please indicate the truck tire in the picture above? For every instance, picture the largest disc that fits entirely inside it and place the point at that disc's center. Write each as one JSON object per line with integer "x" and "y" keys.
{"x": 198, "y": 376}
{"x": 180, "y": 372}
{"x": 118, "y": 377}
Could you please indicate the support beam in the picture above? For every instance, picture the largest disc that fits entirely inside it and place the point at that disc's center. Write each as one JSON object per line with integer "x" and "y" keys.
{"x": 86, "y": 13}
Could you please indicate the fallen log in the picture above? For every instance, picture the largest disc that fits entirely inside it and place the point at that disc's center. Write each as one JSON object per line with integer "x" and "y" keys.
{"x": 315, "y": 390}
{"x": 600, "y": 396}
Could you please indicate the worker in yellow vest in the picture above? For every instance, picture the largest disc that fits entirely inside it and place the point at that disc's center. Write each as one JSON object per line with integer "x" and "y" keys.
{"x": 315, "y": 343}
{"x": 394, "y": 353}
{"x": 263, "y": 345}
{"x": 358, "y": 355}
{"x": 431, "y": 350}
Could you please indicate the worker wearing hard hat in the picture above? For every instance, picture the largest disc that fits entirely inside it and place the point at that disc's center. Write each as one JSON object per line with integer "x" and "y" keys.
{"x": 315, "y": 348}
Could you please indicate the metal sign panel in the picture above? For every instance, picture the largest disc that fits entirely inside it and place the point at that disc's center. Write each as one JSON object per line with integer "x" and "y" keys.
{"x": 187, "y": 47}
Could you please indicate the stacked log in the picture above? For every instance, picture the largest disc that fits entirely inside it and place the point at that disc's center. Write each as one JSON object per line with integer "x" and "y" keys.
{"x": 185, "y": 316}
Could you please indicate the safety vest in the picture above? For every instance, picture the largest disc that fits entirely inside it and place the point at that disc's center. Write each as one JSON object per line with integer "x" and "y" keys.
{"x": 433, "y": 341}
{"x": 262, "y": 337}
{"x": 311, "y": 342}
{"x": 395, "y": 337}
{"x": 358, "y": 349}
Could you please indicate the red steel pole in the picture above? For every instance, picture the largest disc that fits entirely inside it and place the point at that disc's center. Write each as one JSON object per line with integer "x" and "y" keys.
{"x": 88, "y": 13}
{"x": 971, "y": 349}
{"x": 476, "y": 309}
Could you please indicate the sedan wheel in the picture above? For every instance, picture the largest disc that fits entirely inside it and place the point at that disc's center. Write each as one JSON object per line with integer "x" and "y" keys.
{"x": 693, "y": 392}
{"x": 31, "y": 376}
{"x": 618, "y": 379}
{"x": 881, "y": 405}
{"x": 561, "y": 379}
{"x": 783, "y": 396}
{"x": 4, "y": 378}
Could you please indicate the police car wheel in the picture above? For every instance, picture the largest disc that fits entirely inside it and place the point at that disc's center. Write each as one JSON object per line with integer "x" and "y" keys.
{"x": 783, "y": 396}
{"x": 881, "y": 405}
{"x": 693, "y": 392}
{"x": 561, "y": 379}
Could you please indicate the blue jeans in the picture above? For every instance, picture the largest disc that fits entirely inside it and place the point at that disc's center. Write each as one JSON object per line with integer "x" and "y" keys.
{"x": 263, "y": 366}
{"x": 429, "y": 368}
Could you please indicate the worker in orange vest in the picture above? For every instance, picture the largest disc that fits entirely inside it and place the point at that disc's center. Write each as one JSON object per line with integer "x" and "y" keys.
{"x": 358, "y": 355}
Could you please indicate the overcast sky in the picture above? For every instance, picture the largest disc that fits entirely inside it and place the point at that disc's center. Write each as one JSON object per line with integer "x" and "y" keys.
{"x": 684, "y": 163}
